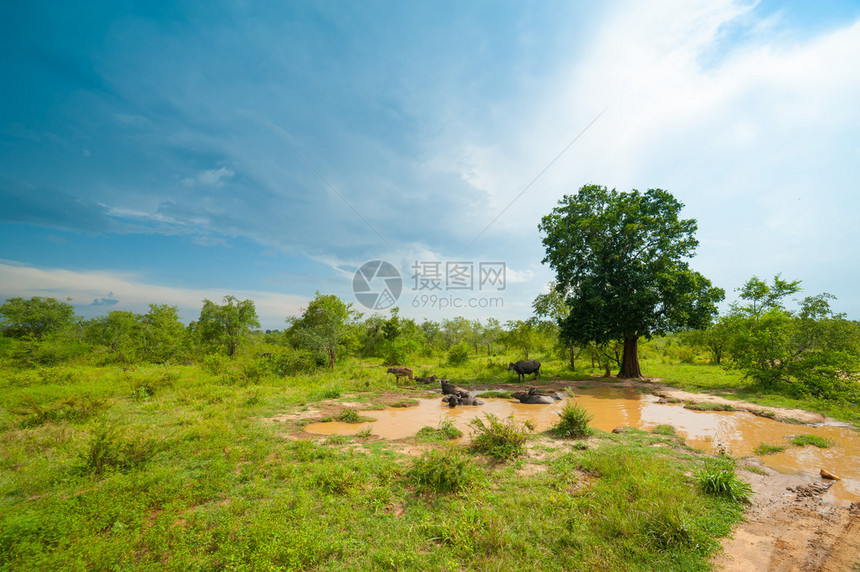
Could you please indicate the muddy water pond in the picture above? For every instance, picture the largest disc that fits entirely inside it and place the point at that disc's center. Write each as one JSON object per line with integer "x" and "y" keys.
{"x": 736, "y": 432}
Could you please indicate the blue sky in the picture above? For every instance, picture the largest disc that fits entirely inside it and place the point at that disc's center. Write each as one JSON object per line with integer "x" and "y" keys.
{"x": 155, "y": 153}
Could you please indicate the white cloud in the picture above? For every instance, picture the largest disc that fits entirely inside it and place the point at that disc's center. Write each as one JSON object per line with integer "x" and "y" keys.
{"x": 134, "y": 294}
{"x": 211, "y": 178}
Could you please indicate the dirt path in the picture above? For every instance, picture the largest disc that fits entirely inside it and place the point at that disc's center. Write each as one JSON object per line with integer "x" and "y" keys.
{"x": 790, "y": 528}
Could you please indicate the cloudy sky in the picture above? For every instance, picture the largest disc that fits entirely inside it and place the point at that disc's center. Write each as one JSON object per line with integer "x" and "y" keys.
{"x": 151, "y": 153}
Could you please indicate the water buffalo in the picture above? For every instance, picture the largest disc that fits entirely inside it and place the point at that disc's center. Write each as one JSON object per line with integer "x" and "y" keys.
{"x": 534, "y": 397}
{"x": 430, "y": 379}
{"x": 400, "y": 372}
{"x": 524, "y": 367}
{"x": 449, "y": 388}
{"x": 455, "y": 400}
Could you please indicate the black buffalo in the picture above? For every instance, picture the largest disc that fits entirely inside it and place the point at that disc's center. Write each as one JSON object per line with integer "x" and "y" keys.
{"x": 534, "y": 397}
{"x": 455, "y": 400}
{"x": 449, "y": 388}
{"x": 524, "y": 367}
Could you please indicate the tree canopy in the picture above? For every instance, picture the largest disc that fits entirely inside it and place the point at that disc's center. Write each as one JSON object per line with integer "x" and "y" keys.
{"x": 226, "y": 324}
{"x": 620, "y": 265}
{"x": 34, "y": 318}
{"x": 325, "y": 325}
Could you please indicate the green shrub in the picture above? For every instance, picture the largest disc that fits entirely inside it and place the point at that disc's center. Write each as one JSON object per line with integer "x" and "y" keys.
{"x": 110, "y": 449}
{"x": 573, "y": 422}
{"x": 459, "y": 354}
{"x": 290, "y": 362}
{"x": 502, "y": 440}
{"x": 446, "y": 471}
{"x": 73, "y": 410}
{"x": 664, "y": 430}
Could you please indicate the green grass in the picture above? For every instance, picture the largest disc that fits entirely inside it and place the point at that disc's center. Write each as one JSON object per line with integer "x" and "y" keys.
{"x": 719, "y": 479}
{"x": 707, "y": 406}
{"x": 193, "y": 474}
{"x": 816, "y": 440}
{"x": 765, "y": 449}
{"x": 444, "y": 471}
{"x": 445, "y": 432}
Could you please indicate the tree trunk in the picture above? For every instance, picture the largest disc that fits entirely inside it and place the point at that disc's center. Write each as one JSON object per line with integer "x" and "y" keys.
{"x": 572, "y": 362}
{"x": 330, "y": 357}
{"x": 630, "y": 359}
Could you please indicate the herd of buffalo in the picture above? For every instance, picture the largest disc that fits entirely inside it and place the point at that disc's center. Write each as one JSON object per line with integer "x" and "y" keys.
{"x": 454, "y": 396}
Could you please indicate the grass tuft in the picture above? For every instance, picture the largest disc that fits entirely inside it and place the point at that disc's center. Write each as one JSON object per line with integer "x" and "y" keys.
{"x": 765, "y": 449}
{"x": 573, "y": 422}
{"x": 803, "y": 440}
{"x": 719, "y": 479}
{"x": 445, "y": 471}
{"x": 502, "y": 440}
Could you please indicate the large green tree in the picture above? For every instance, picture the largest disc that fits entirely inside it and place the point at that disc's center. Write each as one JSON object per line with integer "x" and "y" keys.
{"x": 620, "y": 264}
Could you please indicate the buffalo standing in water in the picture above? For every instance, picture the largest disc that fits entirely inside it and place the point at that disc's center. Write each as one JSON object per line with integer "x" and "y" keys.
{"x": 525, "y": 367}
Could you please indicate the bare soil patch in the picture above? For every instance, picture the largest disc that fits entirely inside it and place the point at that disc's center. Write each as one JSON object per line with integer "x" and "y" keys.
{"x": 790, "y": 528}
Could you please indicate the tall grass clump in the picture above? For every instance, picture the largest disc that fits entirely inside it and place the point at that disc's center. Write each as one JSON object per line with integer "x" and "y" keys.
{"x": 803, "y": 440}
{"x": 502, "y": 440}
{"x": 718, "y": 478}
{"x": 766, "y": 449}
{"x": 573, "y": 422}
{"x": 73, "y": 410}
{"x": 110, "y": 449}
{"x": 351, "y": 416}
{"x": 445, "y": 471}
{"x": 445, "y": 432}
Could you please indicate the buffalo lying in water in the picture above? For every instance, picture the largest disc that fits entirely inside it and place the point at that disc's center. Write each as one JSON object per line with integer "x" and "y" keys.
{"x": 534, "y": 397}
{"x": 455, "y": 400}
{"x": 449, "y": 388}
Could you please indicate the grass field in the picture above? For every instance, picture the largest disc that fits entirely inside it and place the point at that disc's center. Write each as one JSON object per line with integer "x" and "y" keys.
{"x": 181, "y": 467}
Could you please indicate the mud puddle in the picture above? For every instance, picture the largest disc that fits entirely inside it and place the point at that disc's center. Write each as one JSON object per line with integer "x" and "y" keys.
{"x": 736, "y": 432}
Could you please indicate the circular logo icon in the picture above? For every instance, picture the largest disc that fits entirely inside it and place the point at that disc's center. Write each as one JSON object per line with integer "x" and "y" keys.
{"x": 377, "y": 285}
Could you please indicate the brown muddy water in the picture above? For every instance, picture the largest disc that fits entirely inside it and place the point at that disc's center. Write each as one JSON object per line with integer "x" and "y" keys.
{"x": 736, "y": 432}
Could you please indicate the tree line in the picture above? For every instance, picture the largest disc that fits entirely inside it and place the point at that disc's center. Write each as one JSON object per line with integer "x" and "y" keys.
{"x": 623, "y": 274}
{"x": 43, "y": 331}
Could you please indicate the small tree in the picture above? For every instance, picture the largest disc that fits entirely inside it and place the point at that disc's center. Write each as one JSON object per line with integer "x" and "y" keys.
{"x": 551, "y": 304}
{"x": 325, "y": 325}
{"x": 163, "y": 333}
{"x": 771, "y": 344}
{"x": 226, "y": 324}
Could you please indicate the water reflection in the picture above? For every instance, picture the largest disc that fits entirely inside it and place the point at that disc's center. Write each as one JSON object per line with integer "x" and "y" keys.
{"x": 738, "y": 433}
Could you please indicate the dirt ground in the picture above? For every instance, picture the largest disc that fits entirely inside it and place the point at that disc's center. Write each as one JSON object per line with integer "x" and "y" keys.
{"x": 788, "y": 526}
